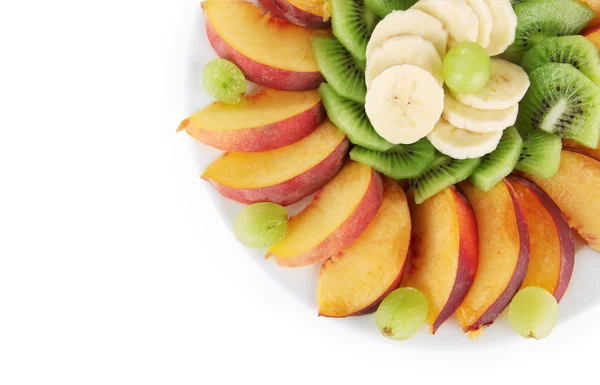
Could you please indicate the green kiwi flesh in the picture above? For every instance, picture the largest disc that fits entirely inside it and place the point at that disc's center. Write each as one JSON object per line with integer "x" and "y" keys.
{"x": 575, "y": 50}
{"x": 340, "y": 69}
{"x": 384, "y": 7}
{"x": 399, "y": 162}
{"x": 500, "y": 162}
{"x": 539, "y": 19}
{"x": 562, "y": 100}
{"x": 443, "y": 173}
{"x": 352, "y": 23}
{"x": 541, "y": 152}
{"x": 351, "y": 118}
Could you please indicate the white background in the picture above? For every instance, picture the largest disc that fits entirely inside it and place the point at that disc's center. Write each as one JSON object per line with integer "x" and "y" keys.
{"x": 114, "y": 266}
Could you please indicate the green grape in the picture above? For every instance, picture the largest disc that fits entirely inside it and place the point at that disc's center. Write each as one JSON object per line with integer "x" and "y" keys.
{"x": 533, "y": 312}
{"x": 261, "y": 225}
{"x": 466, "y": 68}
{"x": 224, "y": 81}
{"x": 402, "y": 313}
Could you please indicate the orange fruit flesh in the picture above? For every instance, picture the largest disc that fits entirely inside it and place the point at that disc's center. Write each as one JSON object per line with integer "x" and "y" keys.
{"x": 545, "y": 251}
{"x": 262, "y": 169}
{"x": 329, "y": 210}
{"x": 266, "y": 107}
{"x": 499, "y": 249}
{"x": 435, "y": 251}
{"x": 356, "y": 278}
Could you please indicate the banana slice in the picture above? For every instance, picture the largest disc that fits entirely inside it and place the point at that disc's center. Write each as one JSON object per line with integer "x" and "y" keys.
{"x": 404, "y": 103}
{"x": 407, "y": 49}
{"x": 505, "y": 26}
{"x": 475, "y": 120}
{"x": 486, "y": 21}
{"x": 506, "y": 87}
{"x": 462, "y": 144}
{"x": 457, "y": 17}
{"x": 409, "y": 22}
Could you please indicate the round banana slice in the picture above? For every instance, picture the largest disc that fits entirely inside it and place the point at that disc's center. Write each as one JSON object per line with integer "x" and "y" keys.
{"x": 486, "y": 21}
{"x": 457, "y": 17}
{"x": 473, "y": 119}
{"x": 507, "y": 86}
{"x": 462, "y": 144}
{"x": 406, "y": 49}
{"x": 504, "y": 28}
{"x": 409, "y": 22}
{"x": 404, "y": 103}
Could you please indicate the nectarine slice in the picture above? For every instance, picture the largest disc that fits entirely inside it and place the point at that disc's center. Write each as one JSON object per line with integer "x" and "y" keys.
{"x": 445, "y": 250}
{"x": 304, "y": 13}
{"x": 503, "y": 254}
{"x": 337, "y": 215}
{"x": 356, "y": 280}
{"x": 552, "y": 251}
{"x": 591, "y": 152}
{"x": 261, "y": 122}
{"x": 285, "y": 175}
{"x": 575, "y": 190}
{"x": 269, "y": 51}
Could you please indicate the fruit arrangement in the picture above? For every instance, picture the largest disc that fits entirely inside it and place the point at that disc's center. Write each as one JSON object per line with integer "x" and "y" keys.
{"x": 448, "y": 149}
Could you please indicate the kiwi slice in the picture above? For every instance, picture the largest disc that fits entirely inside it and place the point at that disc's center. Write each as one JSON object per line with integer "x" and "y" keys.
{"x": 562, "y": 100}
{"x": 384, "y": 7}
{"x": 399, "y": 162}
{"x": 353, "y": 24}
{"x": 444, "y": 172}
{"x": 500, "y": 162}
{"x": 340, "y": 69}
{"x": 539, "y": 19}
{"x": 541, "y": 152}
{"x": 351, "y": 118}
{"x": 575, "y": 50}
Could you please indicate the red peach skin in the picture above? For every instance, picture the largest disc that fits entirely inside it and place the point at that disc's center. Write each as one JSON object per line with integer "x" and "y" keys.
{"x": 552, "y": 247}
{"x": 284, "y": 9}
{"x": 338, "y": 214}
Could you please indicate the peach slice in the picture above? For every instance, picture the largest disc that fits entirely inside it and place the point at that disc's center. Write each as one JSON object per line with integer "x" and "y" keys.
{"x": 304, "y": 13}
{"x": 445, "y": 250}
{"x": 572, "y": 145}
{"x": 552, "y": 251}
{"x": 503, "y": 254}
{"x": 285, "y": 175}
{"x": 265, "y": 121}
{"x": 356, "y": 280}
{"x": 269, "y": 51}
{"x": 575, "y": 190}
{"x": 337, "y": 215}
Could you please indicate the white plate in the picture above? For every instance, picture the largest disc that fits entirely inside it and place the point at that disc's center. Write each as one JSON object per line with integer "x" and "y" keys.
{"x": 301, "y": 283}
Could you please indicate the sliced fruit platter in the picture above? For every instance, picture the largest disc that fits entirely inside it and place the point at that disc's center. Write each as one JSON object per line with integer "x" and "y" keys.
{"x": 433, "y": 162}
